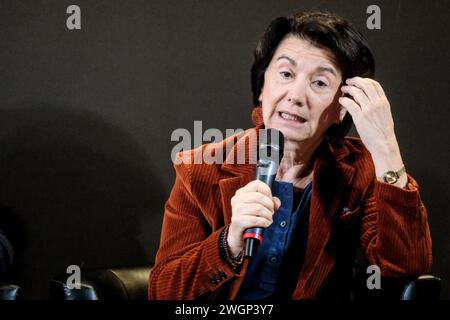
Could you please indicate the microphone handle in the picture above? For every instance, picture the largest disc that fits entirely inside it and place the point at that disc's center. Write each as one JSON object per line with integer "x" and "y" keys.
{"x": 253, "y": 236}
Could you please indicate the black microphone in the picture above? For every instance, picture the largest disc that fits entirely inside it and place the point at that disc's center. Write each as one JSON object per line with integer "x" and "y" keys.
{"x": 270, "y": 152}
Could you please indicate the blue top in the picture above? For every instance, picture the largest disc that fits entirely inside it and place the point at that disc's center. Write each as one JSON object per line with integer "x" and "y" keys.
{"x": 273, "y": 271}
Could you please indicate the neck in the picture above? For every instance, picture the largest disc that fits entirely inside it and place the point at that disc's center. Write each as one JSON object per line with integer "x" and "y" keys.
{"x": 296, "y": 166}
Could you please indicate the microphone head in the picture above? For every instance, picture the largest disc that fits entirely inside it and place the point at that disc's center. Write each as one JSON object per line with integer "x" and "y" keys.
{"x": 271, "y": 145}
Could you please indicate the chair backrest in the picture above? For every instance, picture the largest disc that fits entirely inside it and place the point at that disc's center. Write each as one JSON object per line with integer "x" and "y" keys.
{"x": 9, "y": 291}
{"x": 120, "y": 283}
{"x": 105, "y": 284}
{"x": 425, "y": 287}
{"x": 59, "y": 290}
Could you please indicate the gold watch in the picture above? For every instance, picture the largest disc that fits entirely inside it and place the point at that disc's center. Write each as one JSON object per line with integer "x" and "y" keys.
{"x": 392, "y": 177}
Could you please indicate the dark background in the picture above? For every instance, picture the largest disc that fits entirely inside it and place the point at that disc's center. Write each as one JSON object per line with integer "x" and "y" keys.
{"x": 86, "y": 116}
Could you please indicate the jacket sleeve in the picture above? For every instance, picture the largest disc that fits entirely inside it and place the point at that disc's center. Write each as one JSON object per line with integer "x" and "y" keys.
{"x": 188, "y": 265}
{"x": 394, "y": 231}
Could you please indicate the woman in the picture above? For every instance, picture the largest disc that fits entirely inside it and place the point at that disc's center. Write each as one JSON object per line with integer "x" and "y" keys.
{"x": 312, "y": 77}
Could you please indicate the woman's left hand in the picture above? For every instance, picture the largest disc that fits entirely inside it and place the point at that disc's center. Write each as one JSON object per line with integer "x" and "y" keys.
{"x": 369, "y": 107}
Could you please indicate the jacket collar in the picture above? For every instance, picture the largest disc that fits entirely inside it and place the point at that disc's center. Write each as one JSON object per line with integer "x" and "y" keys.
{"x": 248, "y": 142}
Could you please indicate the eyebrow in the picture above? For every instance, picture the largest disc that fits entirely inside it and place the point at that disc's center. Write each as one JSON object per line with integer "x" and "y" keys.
{"x": 320, "y": 68}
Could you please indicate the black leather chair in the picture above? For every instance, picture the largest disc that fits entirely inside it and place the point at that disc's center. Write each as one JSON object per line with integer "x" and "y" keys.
{"x": 426, "y": 287}
{"x": 9, "y": 291}
{"x": 131, "y": 284}
{"x": 104, "y": 284}
{"x": 422, "y": 287}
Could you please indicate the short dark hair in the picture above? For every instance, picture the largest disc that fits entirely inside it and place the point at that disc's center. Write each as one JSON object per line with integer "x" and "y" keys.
{"x": 324, "y": 30}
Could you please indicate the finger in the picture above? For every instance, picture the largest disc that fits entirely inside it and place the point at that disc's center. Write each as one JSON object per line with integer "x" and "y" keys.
{"x": 366, "y": 85}
{"x": 252, "y": 221}
{"x": 255, "y": 197}
{"x": 378, "y": 88}
{"x": 358, "y": 95}
{"x": 376, "y": 91}
{"x": 245, "y": 222}
{"x": 277, "y": 202}
{"x": 352, "y": 107}
{"x": 257, "y": 210}
{"x": 258, "y": 186}
{"x": 259, "y": 222}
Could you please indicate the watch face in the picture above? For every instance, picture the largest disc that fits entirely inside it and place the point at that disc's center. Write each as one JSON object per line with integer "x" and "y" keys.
{"x": 391, "y": 177}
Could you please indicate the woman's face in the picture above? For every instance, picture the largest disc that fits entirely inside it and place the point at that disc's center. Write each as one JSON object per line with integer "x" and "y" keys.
{"x": 300, "y": 91}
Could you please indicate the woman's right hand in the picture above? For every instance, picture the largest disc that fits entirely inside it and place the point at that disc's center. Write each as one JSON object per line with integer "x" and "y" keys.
{"x": 252, "y": 206}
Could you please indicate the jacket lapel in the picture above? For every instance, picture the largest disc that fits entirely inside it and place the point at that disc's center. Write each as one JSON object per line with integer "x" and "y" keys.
{"x": 240, "y": 163}
{"x": 331, "y": 180}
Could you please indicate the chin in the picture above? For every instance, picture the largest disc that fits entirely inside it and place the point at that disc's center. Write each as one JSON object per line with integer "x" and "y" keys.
{"x": 294, "y": 137}
{"x": 297, "y": 139}
{"x": 290, "y": 133}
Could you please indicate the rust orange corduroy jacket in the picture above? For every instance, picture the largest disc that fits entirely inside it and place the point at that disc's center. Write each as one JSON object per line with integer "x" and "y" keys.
{"x": 391, "y": 222}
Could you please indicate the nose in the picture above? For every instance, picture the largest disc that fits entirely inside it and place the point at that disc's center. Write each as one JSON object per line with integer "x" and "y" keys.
{"x": 297, "y": 92}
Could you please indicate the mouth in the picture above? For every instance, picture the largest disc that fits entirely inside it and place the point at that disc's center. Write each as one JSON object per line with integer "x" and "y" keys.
{"x": 291, "y": 117}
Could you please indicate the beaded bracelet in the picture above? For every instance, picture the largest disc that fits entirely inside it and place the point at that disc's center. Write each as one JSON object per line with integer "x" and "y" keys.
{"x": 233, "y": 262}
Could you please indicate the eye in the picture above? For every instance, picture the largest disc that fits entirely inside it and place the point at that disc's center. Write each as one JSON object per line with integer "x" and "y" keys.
{"x": 320, "y": 84}
{"x": 286, "y": 74}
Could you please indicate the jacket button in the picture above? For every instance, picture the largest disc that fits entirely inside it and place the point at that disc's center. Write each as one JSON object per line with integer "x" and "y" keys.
{"x": 213, "y": 281}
